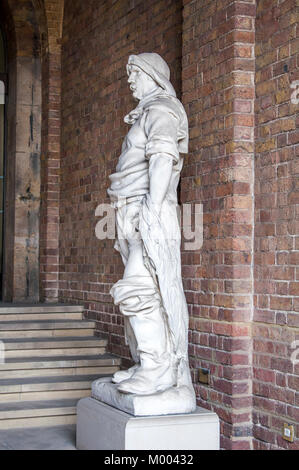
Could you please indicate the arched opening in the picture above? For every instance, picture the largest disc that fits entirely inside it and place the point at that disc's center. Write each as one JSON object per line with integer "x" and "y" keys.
{"x": 3, "y": 90}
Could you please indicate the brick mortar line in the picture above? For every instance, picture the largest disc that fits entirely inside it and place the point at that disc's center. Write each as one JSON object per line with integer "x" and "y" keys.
{"x": 275, "y": 325}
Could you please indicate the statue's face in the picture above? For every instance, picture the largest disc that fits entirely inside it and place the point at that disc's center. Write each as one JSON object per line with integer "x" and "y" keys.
{"x": 141, "y": 84}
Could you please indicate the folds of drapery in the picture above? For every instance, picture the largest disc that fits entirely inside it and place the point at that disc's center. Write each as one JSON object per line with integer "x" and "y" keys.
{"x": 160, "y": 234}
{"x": 161, "y": 238}
{"x": 136, "y": 295}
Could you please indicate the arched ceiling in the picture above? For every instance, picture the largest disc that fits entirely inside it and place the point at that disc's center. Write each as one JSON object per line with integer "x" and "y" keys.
{"x": 31, "y": 25}
{"x": 21, "y": 27}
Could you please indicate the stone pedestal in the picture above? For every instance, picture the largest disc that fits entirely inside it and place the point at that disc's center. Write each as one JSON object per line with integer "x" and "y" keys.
{"x": 175, "y": 400}
{"x": 102, "y": 427}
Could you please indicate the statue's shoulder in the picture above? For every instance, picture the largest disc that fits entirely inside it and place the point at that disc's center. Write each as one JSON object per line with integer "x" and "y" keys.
{"x": 172, "y": 106}
{"x": 167, "y": 104}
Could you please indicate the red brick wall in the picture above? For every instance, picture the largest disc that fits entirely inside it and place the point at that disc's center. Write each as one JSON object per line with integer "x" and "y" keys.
{"x": 95, "y": 98}
{"x": 218, "y": 93}
{"x": 239, "y": 329}
{"x": 276, "y": 318}
{"x": 50, "y": 26}
{"x": 50, "y": 163}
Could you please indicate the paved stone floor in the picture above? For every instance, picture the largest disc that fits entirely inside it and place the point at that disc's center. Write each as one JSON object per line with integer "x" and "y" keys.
{"x": 52, "y": 438}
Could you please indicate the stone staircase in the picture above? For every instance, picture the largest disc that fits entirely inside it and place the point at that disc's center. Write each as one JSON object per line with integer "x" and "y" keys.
{"x": 51, "y": 358}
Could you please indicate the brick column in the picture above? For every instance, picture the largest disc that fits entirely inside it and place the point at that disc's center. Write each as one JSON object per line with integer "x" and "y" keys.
{"x": 218, "y": 93}
{"x": 50, "y": 164}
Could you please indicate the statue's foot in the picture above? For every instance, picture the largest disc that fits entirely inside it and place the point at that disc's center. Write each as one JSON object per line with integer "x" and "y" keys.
{"x": 122, "y": 375}
{"x": 146, "y": 382}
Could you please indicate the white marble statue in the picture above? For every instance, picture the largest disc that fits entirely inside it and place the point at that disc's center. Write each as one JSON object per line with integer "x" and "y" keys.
{"x": 150, "y": 296}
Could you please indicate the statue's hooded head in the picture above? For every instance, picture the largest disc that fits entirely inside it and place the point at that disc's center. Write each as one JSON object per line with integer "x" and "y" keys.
{"x": 155, "y": 67}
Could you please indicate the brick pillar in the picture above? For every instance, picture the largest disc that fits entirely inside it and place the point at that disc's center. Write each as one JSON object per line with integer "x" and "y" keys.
{"x": 218, "y": 94}
{"x": 49, "y": 229}
{"x": 50, "y": 164}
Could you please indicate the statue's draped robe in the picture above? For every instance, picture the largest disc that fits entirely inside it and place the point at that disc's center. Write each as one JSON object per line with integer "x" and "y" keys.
{"x": 159, "y": 125}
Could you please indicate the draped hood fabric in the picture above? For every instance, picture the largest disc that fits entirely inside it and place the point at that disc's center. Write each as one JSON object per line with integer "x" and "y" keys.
{"x": 156, "y": 67}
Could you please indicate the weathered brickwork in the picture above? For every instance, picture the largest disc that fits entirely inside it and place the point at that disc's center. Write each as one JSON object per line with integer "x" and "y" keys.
{"x": 95, "y": 98}
{"x": 276, "y": 317}
{"x": 233, "y": 64}
{"x": 218, "y": 93}
{"x": 217, "y": 42}
{"x": 51, "y": 12}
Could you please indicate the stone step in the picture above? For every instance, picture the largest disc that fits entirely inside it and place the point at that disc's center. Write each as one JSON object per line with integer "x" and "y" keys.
{"x": 58, "y": 365}
{"x": 47, "y": 388}
{"x": 38, "y": 384}
{"x": 40, "y": 308}
{"x": 29, "y": 325}
{"x": 47, "y": 333}
{"x": 94, "y": 351}
{"x": 20, "y": 317}
{"x": 35, "y": 422}
{"x": 14, "y": 344}
{"x": 57, "y": 361}
{"x": 51, "y": 357}
{"x": 75, "y": 371}
{"x": 37, "y": 413}
{"x": 45, "y": 395}
{"x": 44, "y": 326}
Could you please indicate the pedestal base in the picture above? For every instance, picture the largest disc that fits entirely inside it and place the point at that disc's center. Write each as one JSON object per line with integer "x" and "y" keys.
{"x": 102, "y": 427}
{"x": 175, "y": 400}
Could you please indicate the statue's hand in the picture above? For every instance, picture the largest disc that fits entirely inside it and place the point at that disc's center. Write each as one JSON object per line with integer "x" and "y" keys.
{"x": 151, "y": 221}
{"x": 131, "y": 226}
{"x": 153, "y": 206}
